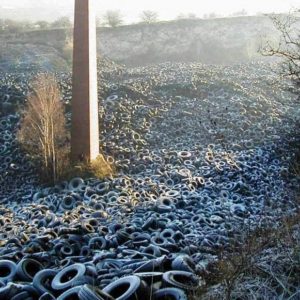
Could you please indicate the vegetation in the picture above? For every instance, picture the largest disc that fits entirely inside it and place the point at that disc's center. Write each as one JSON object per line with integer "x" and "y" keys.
{"x": 187, "y": 16}
{"x": 264, "y": 264}
{"x": 149, "y": 16}
{"x": 44, "y": 137}
{"x": 113, "y": 18}
{"x": 98, "y": 168}
{"x": 63, "y": 22}
{"x": 288, "y": 47}
{"x": 12, "y": 26}
{"x": 42, "y": 131}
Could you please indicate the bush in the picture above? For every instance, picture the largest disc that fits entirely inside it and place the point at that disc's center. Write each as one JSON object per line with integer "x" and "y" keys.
{"x": 42, "y": 131}
{"x": 113, "y": 18}
{"x": 63, "y": 22}
{"x": 99, "y": 168}
{"x": 149, "y": 16}
{"x": 263, "y": 264}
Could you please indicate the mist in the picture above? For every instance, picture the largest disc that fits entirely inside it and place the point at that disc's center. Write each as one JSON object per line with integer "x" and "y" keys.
{"x": 33, "y": 10}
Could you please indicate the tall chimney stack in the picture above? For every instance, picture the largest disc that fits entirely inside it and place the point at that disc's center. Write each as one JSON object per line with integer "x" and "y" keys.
{"x": 85, "y": 123}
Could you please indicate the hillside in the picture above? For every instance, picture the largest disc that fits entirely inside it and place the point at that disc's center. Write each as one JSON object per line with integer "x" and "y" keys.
{"x": 216, "y": 41}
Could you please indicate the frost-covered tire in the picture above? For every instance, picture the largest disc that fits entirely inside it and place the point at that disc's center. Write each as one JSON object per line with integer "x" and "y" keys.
{"x": 42, "y": 280}
{"x": 127, "y": 288}
{"x": 183, "y": 263}
{"x": 71, "y": 294}
{"x": 170, "y": 294}
{"x": 68, "y": 276}
{"x": 150, "y": 277}
{"x": 27, "y": 268}
{"x": 22, "y": 296}
{"x": 47, "y": 296}
{"x": 8, "y": 270}
{"x": 89, "y": 292}
{"x": 180, "y": 279}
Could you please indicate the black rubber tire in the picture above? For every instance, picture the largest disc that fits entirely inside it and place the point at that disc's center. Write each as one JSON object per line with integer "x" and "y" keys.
{"x": 8, "y": 270}
{"x": 150, "y": 277}
{"x": 27, "y": 268}
{"x": 180, "y": 279}
{"x": 89, "y": 292}
{"x": 9, "y": 291}
{"x": 68, "y": 202}
{"x": 71, "y": 294}
{"x": 85, "y": 280}
{"x": 183, "y": 263}
{"x": 98, "y": 243}
{"x": 127, "y": 288}
{"x": 47, "y": 296}
{"x": 169, "y": 294}
{"x": 73, "y": 274}
{"x": 153, "y": 250}
{"x": 24, "y": 295}
{"x": 41, "y": 279}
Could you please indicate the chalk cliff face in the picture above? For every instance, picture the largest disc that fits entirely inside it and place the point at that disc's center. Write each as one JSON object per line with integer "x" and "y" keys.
{"x": 214, "y": 41}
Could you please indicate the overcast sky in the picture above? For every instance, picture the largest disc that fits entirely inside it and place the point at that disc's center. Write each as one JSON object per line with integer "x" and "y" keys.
{"x": 131, "y": 9}
{"x": 169, "y": 9}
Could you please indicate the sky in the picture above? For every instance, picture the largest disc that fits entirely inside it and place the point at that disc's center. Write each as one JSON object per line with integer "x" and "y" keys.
{"x": 131, "y": 9}
{"x": 169, "y": 9}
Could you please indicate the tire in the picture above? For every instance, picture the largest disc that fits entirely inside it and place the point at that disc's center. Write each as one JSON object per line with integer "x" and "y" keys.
{"x": 89, "y": 292}
{"x": 152, "y": 250}
{"x": 180, "y": 279}
{"x": 47, "y": 296}
{"x": 68, "y": 276}
{"x": 22, "y": 296}
{"x": 183, "y": 263}
{"x": 68, "y": 202}
{"x": 127, "y": 288}
{"x": 150, "y": 277}
{"x": 76, "y": 183}
{"x": 170, "y": 294}
{"x": 71, "y": 294}
{"x": 27, "y": 268}
{"x": 100, "y": 243}
{"x": 39, "y": 280}
{"x": 8, "y": 270}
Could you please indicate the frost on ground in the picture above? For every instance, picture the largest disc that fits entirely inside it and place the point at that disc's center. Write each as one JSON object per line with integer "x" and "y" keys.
{"x": 204, "y": 157}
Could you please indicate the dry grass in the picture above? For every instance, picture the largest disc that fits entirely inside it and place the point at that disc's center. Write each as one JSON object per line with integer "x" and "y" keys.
{"x": 265, "y": 266}
{"x": 98, "y": 168}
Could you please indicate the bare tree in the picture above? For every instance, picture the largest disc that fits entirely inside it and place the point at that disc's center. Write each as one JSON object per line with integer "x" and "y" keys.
{"x": 100, "y": 22}
{"x": 240, "y": 13}
{"x": 149, "y": 16}
{"x": 63, "y": 22}
{"x": 288, "y": 46}
{"x": 42, "y": 131}
{"x": 113, "y": 18}
{"x": 189, "y": 16}
{"x": 42, "y": 24}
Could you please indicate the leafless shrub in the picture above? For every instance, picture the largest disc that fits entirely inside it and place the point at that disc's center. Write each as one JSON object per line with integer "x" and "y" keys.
{"x": 149, "y": 16}
{"x": 265, "y": 266}
{"x": 113, "y": 18}
{"x": 42, "y": 131}
{"x": 288, "y": 47}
